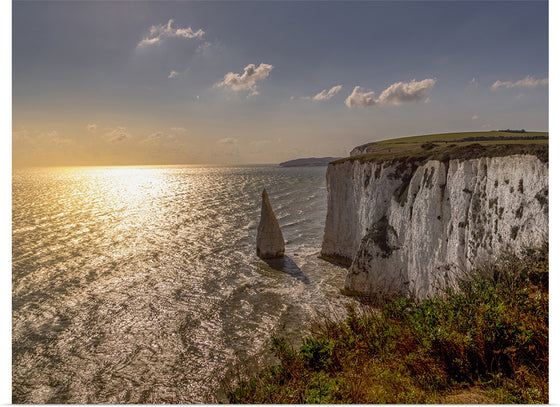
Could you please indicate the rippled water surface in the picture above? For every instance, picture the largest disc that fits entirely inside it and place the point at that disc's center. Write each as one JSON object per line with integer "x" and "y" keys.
{"x": 141, "y": 284}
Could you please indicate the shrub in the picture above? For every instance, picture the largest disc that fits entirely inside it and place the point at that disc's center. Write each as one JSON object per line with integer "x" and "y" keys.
{"x": 491, "y": 334}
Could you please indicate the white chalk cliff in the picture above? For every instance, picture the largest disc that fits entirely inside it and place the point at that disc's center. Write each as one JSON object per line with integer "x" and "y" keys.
{"x": 270, "y": 242}
{"x": 416, "y": 231}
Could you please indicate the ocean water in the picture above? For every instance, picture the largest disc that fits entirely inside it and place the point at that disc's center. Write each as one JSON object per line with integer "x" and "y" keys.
{"x": 141, "y": 284}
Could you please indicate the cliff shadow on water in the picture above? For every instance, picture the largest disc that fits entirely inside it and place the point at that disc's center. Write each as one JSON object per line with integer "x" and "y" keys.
{"x": 285, "y": 265}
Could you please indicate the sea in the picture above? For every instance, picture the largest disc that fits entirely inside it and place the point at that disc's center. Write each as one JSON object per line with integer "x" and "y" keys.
{"x": 142, "y": 284}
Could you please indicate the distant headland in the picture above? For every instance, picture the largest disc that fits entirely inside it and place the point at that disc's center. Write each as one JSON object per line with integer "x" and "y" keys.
{"x": 309, "y": 162}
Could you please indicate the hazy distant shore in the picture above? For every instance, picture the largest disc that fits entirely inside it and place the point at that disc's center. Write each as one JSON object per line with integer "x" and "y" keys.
{"x": 309, "y": 162}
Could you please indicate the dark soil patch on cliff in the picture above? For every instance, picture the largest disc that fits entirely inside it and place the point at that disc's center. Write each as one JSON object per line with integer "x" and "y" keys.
{"x": 378, "y": 233}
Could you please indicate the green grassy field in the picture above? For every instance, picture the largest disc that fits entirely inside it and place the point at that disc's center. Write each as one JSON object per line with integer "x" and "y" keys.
{"x": 457, "y": 137}
{"x": 448, "y": 146}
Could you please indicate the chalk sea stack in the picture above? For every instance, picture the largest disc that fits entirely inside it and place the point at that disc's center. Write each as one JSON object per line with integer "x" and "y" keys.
{"x": 270, "y": 242}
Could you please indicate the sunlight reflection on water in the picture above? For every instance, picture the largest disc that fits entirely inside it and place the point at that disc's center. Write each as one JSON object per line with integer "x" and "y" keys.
{"x": 141, "y": 284}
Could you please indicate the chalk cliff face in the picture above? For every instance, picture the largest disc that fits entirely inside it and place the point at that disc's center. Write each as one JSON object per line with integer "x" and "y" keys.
{"x": 415, "y": 231}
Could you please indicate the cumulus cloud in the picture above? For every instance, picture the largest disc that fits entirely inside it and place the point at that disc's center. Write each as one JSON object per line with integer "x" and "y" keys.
{"x": 91, "y": 127}
{"x": 475, "y": 117}
{"x": 401, "y": 92}
{"x": 248, "y": 80}
{"x": 172, "y": 74}
{"x": 473, "y": 82}
{"x": 160, "y": 32}
{"x": 327, "y": 94}
{"x": 527, "y": 82}
{"x": 396, "y": 94}
{"x": 118, "y": 135}
{"x": 359, "y": 97}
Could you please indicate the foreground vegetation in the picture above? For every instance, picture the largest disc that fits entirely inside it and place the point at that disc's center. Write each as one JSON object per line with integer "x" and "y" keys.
{"x": 484, "y": 343}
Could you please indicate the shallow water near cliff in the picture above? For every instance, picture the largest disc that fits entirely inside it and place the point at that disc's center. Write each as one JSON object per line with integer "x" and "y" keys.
{"x": 141, "y": 284}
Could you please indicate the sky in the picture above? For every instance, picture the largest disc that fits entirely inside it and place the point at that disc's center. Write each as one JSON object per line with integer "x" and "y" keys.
{"x": 152, "y": 83}
{"x": 92, "y": 83}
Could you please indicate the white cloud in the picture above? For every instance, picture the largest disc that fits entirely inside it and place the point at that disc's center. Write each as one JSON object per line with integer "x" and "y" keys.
{"x": 474, "y": 83}
{"x": 400, "y": 92}
{"x": 91, "y": 127}
{"x": 527, "y": 82}
{"x": 172, "y": 74}
{"x": 360, "y": 98}
{"x": 160, "y": 32}
{"x": 247, "y": 81}
{"x": 327, "y": 94}
{"x": 475, "y": 117}
{"x": 396, "y": 94}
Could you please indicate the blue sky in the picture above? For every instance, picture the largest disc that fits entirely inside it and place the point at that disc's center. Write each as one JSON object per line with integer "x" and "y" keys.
{"x": 123, "y": 82}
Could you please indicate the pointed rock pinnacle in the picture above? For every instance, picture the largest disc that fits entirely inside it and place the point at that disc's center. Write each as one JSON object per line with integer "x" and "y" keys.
{"x": 270, "y": 242}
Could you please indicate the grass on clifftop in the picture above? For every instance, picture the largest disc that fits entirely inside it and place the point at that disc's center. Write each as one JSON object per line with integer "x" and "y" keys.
{"x": 447, "y": 146}
{"x": 487, "y": 344}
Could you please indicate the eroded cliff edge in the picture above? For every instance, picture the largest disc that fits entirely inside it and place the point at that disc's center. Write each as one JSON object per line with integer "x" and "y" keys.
{"x": 414, "y": 227}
